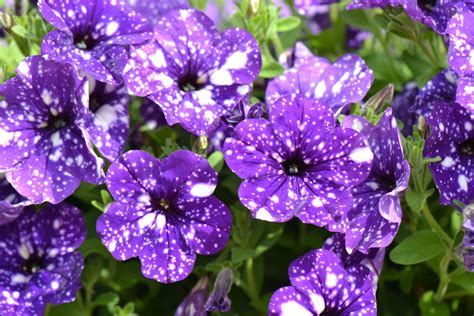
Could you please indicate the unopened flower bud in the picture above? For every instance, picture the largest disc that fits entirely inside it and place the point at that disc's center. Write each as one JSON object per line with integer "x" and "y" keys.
{"x": 382, "y": 97}
{"x": 219, "y": 300}
{"x": 6, "y": 20}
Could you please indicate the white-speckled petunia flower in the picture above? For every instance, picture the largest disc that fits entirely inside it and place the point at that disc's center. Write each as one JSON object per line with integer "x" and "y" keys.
{"x": 192, "y": 72}
{"x": 337, "y": 85}
{"x": 164, "y": 213}
{"x": 376, "y": 215}
{"x": 45, "y": 148}
{"x": 320, "y": 285}
{"x": 452, "y": 139}
{"x": 298, "y": 163}
{"x": 93, "y": 35}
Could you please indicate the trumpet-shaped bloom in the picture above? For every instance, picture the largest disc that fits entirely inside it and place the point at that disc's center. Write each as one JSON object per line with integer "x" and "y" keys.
{"x": 194, "y": 73}
{"x": 45, "y": 147}
{"x": 164, "y": 213}
{"x": 298, "y": 163}
{"x": 93, "y": 35}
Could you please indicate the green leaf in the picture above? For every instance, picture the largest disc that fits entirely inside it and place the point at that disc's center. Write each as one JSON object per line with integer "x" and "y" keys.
{"x": 271, "y": 70}
{"x": 127, "y": 310}
{"x": 20, "y": 31}
{"x": 216, "y": 160}
{"x": 109, "y": 298}
{"x": 416, "y": 200}
{"x": 466, "y": 281}
{"x": 241, "y": 254}
{"x": 431, "y": 308}
{"x": 418, "y": 247}
{"x": 356, "y": 18}
{"x": 106, "y": 197}
{"x": 273, "y": 233}
{"x": 98, "y": 205}
{"x": 70, "y": 309}
{"x": 288, "y": 24}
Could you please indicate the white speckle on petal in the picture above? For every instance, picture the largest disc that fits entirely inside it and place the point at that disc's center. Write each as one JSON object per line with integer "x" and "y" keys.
{"x": 462, "y": 181}
{"x": 361, "y": 155}
{"x": 202, "y": 189}
{"x": 111, "y": 28}
{"x": 292, "y": 308}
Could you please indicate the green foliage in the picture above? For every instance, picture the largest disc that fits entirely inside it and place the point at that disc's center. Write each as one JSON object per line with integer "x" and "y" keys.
{"x": 426, "y": 243}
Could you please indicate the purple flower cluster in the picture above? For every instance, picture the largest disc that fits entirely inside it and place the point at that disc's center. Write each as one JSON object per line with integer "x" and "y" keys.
{"x": 297, "y": 157}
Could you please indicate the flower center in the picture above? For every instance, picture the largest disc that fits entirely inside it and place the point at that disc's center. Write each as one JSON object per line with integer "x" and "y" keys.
{"x": 294, "y": 166}
{"x": 84, "y": 42}
{"x": 467, "y": 148}
{"x": 191, "y": 82}
{"x": 59, "y": 121}
{"x": 33, "y": 264}
{"x": 163, "y": 204}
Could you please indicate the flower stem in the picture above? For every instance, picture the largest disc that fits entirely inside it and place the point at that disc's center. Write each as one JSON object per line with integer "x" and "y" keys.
{"x": 444, "y": 277}
{"x": 434, "y": 224}
{"x": 251, "y": 286}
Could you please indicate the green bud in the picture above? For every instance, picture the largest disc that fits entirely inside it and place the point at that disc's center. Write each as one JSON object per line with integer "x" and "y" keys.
{"x": 254, "y": 7}
{"x": 382, "y": 97}
{"x": 422, "y": 126}
{"x": 201, "y": 144}
{"x": 6, "y": 21}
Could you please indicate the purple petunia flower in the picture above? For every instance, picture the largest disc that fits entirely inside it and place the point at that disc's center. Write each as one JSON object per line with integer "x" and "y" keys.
{"x": 93, "y": 35}
{"x": 337, "y": 85}
{"x": 468, "y": 239}
{"x": 321, "y": 284}
{"x": 153, "y": 9}
{"x": 452, "y": 139}
{"x": 12, "y": 202}
{"x": 461, "y": 56}
{"x": 434, "y": 14}
{"x": 45, "y": 148}
{"x": 36, "y": 270}
{"x": 164, "y": 213}
{"x": 376, "y": 215}
{"x": 298, "y": 163}
{"x": 441, "y": 88}
{"x": 372, "y": 260}
{"x": 403, "y": 107}
{"x": 195, "y": 74}
{"x": 108, "y": 121}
